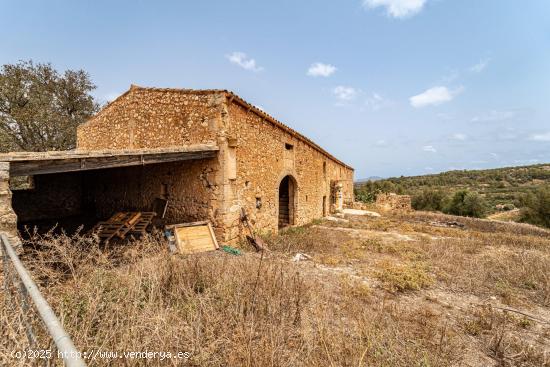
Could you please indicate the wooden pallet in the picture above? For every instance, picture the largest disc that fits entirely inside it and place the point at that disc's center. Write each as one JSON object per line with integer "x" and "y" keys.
{"x": 123, "y": 223}
{"x": 141, "y": 226}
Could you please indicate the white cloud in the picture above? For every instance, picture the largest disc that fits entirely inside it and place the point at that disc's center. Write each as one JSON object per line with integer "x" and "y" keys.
{"x": 459, "y": 136}
{"x": 344, "y": 93}
{"x": 242, "y": 60}
{"x": 320, "y": 69}
{"x": 381, "y": 143}
{"x": 434, "y": 96}
{"x": 429, "y": 148}
{"x": 541, "y": 137}
{"x": 376, "y": 102}
{"x": 397, "y": 8}
{"x": 428, "y": 169}
{"x": 494, "y": 115}
{"x": 480, "y": 66}
{"x": 494, "y": 155}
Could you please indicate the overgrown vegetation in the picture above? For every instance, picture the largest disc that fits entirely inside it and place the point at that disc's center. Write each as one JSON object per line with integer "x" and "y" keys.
{"x": 390, "y": 291}
{"x": 466, "y": 203}
{"x": 536, "y": 207}
{"x": 472, "y": 193}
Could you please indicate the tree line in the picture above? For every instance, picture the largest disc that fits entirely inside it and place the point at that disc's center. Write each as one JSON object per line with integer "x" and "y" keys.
{"x": 475, "y": 193}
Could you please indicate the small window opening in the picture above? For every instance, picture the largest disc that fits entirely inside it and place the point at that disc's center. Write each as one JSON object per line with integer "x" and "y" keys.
{"x": 325, "y": 168}
{"x": 247, "y": 184}
{"x": 289, "y": 146}
{"x": 258, "y": 203}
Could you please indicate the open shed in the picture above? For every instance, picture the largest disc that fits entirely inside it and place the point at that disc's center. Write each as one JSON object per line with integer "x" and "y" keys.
{"x": 80, "y": 187}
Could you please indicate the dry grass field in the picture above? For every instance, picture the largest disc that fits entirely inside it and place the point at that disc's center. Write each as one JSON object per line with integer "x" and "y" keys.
{"x": 416, "y": 289}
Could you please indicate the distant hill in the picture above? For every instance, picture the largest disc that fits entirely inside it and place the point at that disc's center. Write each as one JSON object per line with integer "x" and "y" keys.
{"x": 371, "y": 178}
{"x": 498, "y": 186}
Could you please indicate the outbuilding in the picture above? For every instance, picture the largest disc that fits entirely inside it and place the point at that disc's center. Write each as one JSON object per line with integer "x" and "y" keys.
{"x": 209, "y": 153}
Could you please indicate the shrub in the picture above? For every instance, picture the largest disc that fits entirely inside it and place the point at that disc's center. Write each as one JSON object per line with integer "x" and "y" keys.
{"x": 537, "y": 207}
{"x": 401, "y": 278}
{"x": 468, "y": 204}
{"x": 430, "y": 200}
{"x": 365, "y": 196}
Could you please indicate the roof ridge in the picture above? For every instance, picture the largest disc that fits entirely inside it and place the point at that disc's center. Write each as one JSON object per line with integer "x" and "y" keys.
{"x": 183, "y": 90}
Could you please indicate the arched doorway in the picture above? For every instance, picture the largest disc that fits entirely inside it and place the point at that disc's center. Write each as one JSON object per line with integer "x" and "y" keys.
{"x": 287, "y": 190}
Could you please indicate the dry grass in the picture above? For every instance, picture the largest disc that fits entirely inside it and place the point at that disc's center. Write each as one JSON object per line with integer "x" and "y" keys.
{"x": 400, "y": 278}
{"x": 390, "y": 291}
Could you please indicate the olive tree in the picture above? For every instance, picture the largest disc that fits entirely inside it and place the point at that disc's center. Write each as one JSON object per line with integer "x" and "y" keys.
{"x": 40, "y": 108}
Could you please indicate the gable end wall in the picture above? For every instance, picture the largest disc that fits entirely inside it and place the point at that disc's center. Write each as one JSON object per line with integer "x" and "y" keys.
{"x": 144, "y": 118}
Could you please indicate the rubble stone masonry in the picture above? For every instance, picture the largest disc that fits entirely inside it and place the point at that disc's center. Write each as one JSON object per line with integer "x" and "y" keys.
{"x": 255, "y": 153}
{"x": 8, "y": 218}
{"x": 393, "y": 201}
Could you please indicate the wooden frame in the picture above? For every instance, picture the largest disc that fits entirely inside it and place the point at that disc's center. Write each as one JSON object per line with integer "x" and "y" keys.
{"x": 180, "y": 240}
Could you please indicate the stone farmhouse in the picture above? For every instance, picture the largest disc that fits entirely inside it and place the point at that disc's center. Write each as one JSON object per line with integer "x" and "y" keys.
{"x": 208, "y": 152}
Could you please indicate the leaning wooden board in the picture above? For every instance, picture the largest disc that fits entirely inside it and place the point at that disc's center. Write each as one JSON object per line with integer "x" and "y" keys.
{"x": 194, "y": 237}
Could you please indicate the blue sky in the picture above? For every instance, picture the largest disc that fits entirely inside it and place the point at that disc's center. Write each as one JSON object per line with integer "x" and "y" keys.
{"x": 392, "y": 87}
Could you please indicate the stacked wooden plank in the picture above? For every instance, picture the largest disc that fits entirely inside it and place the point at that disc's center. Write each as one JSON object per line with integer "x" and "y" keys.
{"x": 124, "y": 223}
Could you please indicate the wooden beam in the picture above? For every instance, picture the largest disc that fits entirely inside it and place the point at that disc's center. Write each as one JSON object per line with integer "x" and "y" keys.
{"x": 44, "y": 166}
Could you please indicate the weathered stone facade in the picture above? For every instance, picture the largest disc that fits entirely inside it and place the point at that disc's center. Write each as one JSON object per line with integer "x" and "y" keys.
{"x": 265, "y": 155}
{"x": 8, "y": 218}
{"x": 256, "y": 153}
{"x": 148, "y": 118}
{"x": 393, "y": 201}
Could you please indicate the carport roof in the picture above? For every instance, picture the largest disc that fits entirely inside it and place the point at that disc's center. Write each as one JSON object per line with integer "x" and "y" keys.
{"x": 36, "y": 163}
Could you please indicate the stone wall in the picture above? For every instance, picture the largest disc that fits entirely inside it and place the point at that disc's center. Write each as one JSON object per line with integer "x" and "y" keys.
{"x": 264, "y": 159}
{"x": 52, "y": 196}
{"x": 153, "y": 118}
{"x": 8, "y": 218}
{"x": 189, "y": 187}
{"x": 393, "y": 201}
{"x": 254, "y": 156}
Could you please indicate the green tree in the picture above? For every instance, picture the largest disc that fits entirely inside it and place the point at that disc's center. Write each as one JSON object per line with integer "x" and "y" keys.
{"x": 468, "y": 204}
{"x": 537, "y": 207}
{"x": 41, "y": 108}
{"x": 429, "y": 199}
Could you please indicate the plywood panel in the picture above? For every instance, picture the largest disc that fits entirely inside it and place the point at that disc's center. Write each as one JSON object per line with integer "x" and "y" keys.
{"x": 193, "y": 238}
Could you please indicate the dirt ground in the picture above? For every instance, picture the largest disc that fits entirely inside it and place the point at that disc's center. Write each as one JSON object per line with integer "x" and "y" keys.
{"x": 487, "y": 281}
